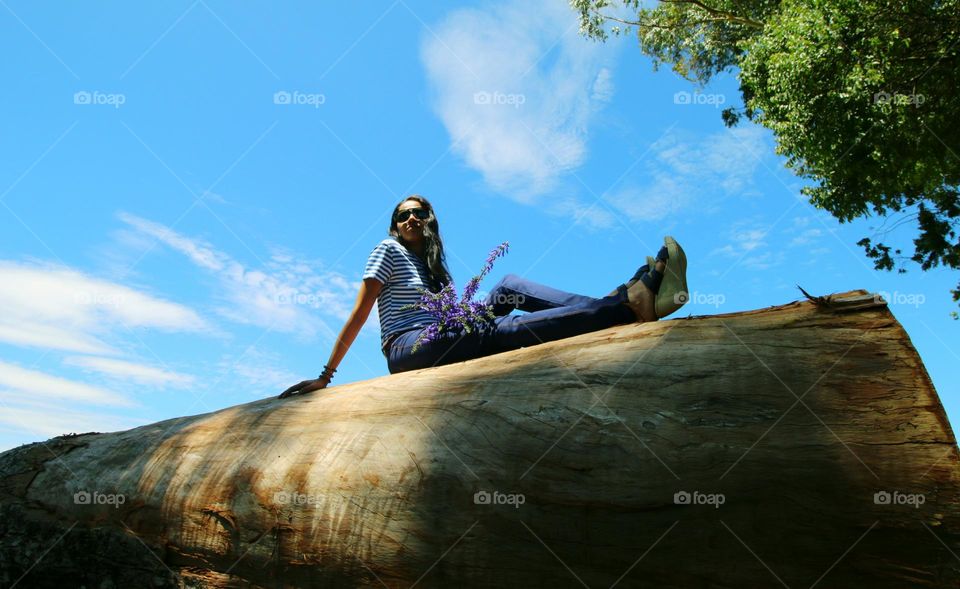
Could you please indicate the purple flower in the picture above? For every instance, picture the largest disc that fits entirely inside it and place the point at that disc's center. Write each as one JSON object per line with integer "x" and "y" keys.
{"x": 457, "y": 316}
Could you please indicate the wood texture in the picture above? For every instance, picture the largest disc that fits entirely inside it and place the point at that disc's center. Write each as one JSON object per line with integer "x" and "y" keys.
{"x": 782, "y": 425}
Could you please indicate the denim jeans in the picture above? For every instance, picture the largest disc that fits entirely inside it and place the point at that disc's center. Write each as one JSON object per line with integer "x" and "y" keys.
{"x": 551, "y": 315}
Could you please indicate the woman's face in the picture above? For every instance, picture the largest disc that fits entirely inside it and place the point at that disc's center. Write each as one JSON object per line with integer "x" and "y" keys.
{"x": 410, "y": 229}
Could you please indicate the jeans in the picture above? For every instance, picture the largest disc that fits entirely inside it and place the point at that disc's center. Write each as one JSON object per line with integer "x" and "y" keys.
{"x": 551, "y": 315}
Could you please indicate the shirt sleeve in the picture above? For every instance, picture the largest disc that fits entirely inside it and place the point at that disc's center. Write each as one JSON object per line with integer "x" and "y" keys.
{"x": 380, "y": 263}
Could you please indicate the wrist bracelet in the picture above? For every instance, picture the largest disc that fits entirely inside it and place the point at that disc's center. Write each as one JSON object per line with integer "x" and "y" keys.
{"x": 327, "y": 372}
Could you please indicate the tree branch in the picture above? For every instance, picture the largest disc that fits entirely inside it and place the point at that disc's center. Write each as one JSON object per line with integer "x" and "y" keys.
{"x": 723, "y": 16}
{"x": 631, "y": 23}
{"x": 648, "y": 25}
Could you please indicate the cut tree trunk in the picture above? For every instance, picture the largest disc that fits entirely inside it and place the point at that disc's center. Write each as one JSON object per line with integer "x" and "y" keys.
{"x": 800, "y": 445}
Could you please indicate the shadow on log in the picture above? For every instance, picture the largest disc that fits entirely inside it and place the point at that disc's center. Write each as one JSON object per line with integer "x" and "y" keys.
{"x": 794, "y": 446}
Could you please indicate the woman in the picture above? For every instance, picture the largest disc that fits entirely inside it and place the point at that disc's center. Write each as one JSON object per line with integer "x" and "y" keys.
{"x": 413, "y": 257}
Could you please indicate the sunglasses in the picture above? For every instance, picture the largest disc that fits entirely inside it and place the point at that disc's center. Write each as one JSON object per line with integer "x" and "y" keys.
{"x": 422, "y": 214}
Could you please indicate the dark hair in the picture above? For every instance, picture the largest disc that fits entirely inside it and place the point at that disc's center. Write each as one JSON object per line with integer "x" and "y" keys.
{"x": 436, "y": 260}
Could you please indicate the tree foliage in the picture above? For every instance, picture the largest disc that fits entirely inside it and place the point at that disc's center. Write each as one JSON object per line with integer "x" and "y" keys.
{"x": 862, "y": 96}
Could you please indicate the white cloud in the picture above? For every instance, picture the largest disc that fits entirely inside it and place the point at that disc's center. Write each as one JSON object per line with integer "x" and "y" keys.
{"x": 287, "y": 295}
{"x": 681, "y": 173}
{"x": 258, "y": 372}
{"x": 40, "y": 385}
{"x": 40, "y": 418}
{"x": 130, "y": 371}
{"x": 516, "y": 86}
{"x": 199, "y": 253}
{"x": 750, "y": 239}
{"x": 807, "y": 237}
{"x": 603, "y": 86}
{"x": 749, "y": 247}
{"x": 595, "y": 214}
{"x": 20, "y": 331}
{"x": 804, "y": 235}
{"x": 662, "y": 196}
{"x": 63, "y": 309}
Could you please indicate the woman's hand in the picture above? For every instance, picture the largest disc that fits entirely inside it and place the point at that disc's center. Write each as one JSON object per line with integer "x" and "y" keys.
{"x": 305, "y": 386}
{"x": 366, "y": 298}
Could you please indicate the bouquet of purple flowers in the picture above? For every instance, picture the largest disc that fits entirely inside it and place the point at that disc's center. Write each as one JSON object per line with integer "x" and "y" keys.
{"x": 453, "y": 315}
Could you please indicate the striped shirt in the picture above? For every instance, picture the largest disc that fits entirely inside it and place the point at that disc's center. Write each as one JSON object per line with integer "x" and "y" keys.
{"x": 401, "y": 273}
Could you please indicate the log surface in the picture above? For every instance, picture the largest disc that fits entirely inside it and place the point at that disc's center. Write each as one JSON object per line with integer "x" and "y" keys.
{"x": 800, "y": 445}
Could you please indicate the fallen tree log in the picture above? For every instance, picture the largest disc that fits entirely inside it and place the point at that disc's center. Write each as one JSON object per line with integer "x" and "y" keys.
{"x": 799, "y": 445}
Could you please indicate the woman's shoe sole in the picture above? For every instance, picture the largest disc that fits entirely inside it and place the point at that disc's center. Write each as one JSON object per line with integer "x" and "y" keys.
{"x": 673, "y": 290}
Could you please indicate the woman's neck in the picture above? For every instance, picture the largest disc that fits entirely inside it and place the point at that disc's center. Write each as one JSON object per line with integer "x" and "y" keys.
{"x": 417, "y": 248}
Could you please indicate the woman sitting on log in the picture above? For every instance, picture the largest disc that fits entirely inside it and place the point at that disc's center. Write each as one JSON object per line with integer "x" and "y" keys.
{"x": 413, "y": 257}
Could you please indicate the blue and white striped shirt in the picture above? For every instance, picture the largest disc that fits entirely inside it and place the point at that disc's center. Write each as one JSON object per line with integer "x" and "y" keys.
{"x": 401, "y": 273}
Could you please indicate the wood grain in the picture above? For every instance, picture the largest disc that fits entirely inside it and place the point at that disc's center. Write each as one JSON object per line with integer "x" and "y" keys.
{"x": 786, "y": 429}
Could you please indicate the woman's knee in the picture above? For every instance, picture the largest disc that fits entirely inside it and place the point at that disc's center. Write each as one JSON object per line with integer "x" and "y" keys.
{"x": 510, "y": 279}
{"x": 500, "y": 285}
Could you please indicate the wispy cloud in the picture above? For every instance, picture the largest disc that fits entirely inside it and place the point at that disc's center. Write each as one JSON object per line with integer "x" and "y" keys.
{"x": 40, "y": 417}
{"x": 516, "y": 87}
{"x": 748, "y": 245}
{"x": 39, "y": 385}
{"x": 258, "y": 372}
{"x": 603, "y": 86}
{"x": 592, "y": 215}
{"x": 803, "y": 234}
{"x": 130, "y": 371}
{"x": 60, "y": 308}
{"x": 681, "y": 173}
{"x": 287, "y": 295}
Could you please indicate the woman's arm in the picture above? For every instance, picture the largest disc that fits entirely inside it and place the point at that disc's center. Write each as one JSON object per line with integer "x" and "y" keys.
{"x": 367, "y": 296}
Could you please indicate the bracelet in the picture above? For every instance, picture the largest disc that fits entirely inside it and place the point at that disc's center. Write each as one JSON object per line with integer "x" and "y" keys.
{"x": 327, "y": 372}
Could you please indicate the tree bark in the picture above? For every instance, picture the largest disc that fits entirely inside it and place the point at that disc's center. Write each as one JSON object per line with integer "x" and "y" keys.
{"x": 797, "y": 445}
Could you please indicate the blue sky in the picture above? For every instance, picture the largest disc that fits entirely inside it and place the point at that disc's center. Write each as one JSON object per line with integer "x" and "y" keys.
{"x": 189, "y": 191}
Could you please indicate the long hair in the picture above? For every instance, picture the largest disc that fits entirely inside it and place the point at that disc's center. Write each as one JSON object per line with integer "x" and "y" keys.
{"x": 436, "y": 259}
